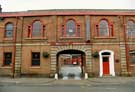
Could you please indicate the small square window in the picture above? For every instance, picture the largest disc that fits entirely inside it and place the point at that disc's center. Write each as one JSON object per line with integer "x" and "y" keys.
{"x": 35, "y": 59}
{"x": 7, "y": 58}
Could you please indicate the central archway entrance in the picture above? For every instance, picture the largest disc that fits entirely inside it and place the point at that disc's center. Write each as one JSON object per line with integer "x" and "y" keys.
{"x": 70, "y": 64}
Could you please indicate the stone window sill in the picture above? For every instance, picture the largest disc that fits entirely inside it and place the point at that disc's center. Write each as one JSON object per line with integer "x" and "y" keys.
{"x": 130, "y": 37}
{"x": 35, "y": 67}
{"x": 71, "y": 37}
{"x": 6, "y": 67}
{"x": 36, "y": 38}
{"x": 105, "y": 37}
{"x": 132, "y": 65}
{"x": 8, "y": 39}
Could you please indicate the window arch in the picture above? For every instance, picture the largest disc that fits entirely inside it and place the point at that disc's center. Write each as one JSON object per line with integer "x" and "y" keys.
{"x": 130, "y": 28}
{"x": 104, "y": 29}
{"x": 9, "y": 28}
{"x": 71, "y": 29}
{"x": 36, "y": 29}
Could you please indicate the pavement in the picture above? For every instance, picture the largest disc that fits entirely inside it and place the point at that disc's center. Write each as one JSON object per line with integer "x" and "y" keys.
{"x": 51, "y": 81}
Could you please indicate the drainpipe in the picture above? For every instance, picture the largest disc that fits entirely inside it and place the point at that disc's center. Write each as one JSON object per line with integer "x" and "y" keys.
{"x": 14, "y": 48}
{"x": 126, "y": 44}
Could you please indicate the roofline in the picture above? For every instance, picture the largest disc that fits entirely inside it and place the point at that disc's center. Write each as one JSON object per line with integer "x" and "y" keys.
{"x": 45, "y": 13}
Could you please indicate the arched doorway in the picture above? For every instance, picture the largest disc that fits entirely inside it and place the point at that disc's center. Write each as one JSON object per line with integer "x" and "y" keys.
{"x": 70, "y": 64}
{"x": 106, "y": 61}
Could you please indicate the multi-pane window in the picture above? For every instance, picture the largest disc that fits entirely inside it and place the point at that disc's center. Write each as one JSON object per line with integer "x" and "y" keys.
{"x": 35, "y": 59}
{"x": 7, "y": 59}
{"x": 130, "y": 28}
{"x": 104, "y": 29}
{"x": 9, "y": 30}
{"x": 71, "y": 29}
{"x": 36, "y": 29}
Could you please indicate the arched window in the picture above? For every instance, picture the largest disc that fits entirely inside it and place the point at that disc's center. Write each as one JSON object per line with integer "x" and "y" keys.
{"x": 36, "y": 29}
{"x": 103, "y": 28}
{"x": 9, "y": 30}
{"x": 71, "y": 29}
{"x": 130, "y": 28}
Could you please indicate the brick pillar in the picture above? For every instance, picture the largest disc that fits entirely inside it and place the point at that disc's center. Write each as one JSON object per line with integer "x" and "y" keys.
{"x": 53, "y": 60}
{"x": 88, "y": 60}
{"x": 18, "y": 58}
{"x": 123, "y": 59}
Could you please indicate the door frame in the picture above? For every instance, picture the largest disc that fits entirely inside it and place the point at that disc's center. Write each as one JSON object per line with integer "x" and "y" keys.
{"x": 111, "y": 62}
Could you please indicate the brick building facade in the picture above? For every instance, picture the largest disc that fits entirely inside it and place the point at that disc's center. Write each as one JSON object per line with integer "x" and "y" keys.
{"x": 101, "y": 42}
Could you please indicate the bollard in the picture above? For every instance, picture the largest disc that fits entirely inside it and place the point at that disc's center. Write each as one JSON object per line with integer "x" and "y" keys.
{"x": 56, "y": 76}
{"x": 86, "y": 76}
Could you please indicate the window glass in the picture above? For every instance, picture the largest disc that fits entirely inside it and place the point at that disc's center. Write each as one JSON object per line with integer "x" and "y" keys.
{"x": 104, "y": 30}
{"x": 36, "y": 32}
{"x": 7, "y": 58}
{"x": 9, "y": 30}
{"x": 70, "y": 28}
{"x": 105, "y": 59}
{"x": 131, "y": 28}
{"x": 106, "y": 53}
{"x": 35, "y": 59}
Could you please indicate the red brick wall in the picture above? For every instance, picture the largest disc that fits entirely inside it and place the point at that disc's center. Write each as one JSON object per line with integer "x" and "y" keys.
{"x": 5, "y": 70}
{"x": 99, "y": 47}
{"x": 44, "y": 67}
{"x": 53, "y": 34}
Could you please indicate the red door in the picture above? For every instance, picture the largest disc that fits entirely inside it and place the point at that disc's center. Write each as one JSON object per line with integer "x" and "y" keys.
{"x": 106, "y": 65}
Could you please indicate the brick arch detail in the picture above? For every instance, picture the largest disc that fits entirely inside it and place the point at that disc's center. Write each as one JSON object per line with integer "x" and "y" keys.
{"x": 84, "y": 48}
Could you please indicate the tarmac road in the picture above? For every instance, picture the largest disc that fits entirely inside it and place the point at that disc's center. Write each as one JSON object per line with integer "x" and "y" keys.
{"x": 94, "y": 87}
{"x": 105, "y": 84}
